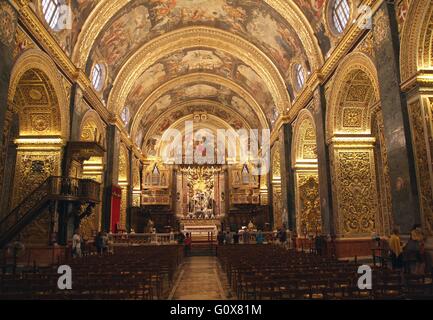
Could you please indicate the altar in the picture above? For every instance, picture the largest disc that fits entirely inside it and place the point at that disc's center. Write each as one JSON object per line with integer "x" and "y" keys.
{"x": 200, "y": 190}
{"x": 201, "y": 230}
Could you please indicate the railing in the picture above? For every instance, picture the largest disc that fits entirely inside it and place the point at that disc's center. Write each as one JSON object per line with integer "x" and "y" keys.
{"x": 61, "y": 188}
{"x": 143, "y": 238}
{"x": 84, "y": 189}
{"x": 34, "y": 199}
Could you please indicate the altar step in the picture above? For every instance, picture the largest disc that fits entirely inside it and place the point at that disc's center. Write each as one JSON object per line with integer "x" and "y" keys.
{"x": 203, "y": 250}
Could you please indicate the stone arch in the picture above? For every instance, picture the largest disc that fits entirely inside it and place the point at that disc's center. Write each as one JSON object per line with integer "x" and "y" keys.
{"x": 106, "y": 9}
{"x": 353, "y": 103}
{"x": 37, "y": 95}
{"x": 42, "y": 64}
{"x": 191, "y": 37}
{"x": 92, "y": 128}
{"x": 191, "y": 78}
{"x": 306, "y": 175}
{"x": 416, "y": 52}
{"x": 355, "y": 90}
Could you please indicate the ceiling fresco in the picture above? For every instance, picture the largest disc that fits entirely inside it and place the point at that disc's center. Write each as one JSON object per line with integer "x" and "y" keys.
{"x": 199, "y": 60}
{"x": 138, "y": 22}
{"x": 143, "y": 20}
{"x": 206, "y": 91}
{"x": 153, "y": 137}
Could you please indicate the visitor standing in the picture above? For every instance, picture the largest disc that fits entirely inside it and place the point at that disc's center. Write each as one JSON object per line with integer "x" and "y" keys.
{"x": 99, "y": 241}
{"x": 76, "y": 244}
{"x": 396, "y": 249}
{"x": 259, "y": 237}
{"x": 188, "y": 242}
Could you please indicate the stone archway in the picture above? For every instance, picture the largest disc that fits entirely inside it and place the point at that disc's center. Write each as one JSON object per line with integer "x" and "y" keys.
{"x": 306, "y": 175}
{"x": 354, "y": 102}
{"x": 416, "y": 65}
{"x": 92, "y": 129}
{"x": 38, "y": 113}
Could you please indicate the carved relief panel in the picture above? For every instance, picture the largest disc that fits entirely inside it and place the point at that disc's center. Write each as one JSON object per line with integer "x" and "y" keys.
{"x": 32, "y": 169}
{"x": 354, "y": 190}
{"x": 308, "y": 217}
{"x": 277, "y": 206}
{"x": 421, "y": 120}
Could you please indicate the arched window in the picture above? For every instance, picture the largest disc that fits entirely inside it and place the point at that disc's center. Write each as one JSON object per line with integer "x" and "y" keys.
{"x": 340, "y": 14}
{"x": 300, "y": 76}
{"x": 125, "y": 116}
{"x": 51, "y": 10}
{"x": 97, "y": 73}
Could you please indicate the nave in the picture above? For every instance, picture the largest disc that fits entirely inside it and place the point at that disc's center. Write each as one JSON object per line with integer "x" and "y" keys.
{"x": 230, "y": 272}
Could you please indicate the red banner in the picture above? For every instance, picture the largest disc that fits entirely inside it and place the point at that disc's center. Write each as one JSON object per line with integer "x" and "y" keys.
{"x": 116, "y": 198}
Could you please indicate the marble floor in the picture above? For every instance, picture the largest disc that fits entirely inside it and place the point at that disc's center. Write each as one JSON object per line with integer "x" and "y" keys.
{"x": 201, "y": 278}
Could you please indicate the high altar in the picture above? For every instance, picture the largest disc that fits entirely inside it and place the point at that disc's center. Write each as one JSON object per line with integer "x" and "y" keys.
{"x": 202, "y": 199}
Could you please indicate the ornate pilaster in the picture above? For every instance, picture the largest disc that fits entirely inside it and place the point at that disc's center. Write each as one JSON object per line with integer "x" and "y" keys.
{"x": 8, "y": 25}
{"x": 287, "y": 178}
{"x": 404, "y": 203}
{"x": 420, "y": 108}
{"x": 318, "y": 110}
{"x": 110, "y": 174}
{"x": 276, "y": 185}
{"x": 354, "y": 186}
{"x": 37, "y": 159}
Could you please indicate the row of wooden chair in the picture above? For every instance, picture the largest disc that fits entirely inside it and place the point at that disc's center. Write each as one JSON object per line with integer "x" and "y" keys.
{"x": 141, "y": 272}
{"x": 272, "y": 272}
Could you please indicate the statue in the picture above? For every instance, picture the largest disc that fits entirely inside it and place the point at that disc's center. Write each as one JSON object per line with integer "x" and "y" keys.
{"x": 150, "y": 226}
{"x": 251, "y": 226}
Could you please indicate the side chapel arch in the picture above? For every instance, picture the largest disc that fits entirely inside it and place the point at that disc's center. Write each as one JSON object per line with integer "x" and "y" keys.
{"x": 306, "y": 175}
{"x": 354, "y": 103}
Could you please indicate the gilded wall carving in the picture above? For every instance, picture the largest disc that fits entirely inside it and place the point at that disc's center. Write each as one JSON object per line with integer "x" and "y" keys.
{"x": 385, "y": 221}
{"x": 23, "y": 42}
{"x": 8, "y": 24}
{"x": 381, "y": 27}
{"x": 277, "y": 206}
{"x": 305, "y": 166}
{"x": 418, "y": 112}
{"x": 276, "y": 162}
{"x": 123, "y": 208}
{"x": 353, "y": 89}
{"x": 124, "y": 182}
{"x": 355, "y": 191}
{"x": 367, "y": 46}
{"x": 309, "y": 219}
{"x": 38, "y": 232}
{"x": 33, "y": 168}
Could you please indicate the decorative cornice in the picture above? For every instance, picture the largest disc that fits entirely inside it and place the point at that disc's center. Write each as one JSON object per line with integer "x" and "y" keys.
{"x": 45, "y": 39}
